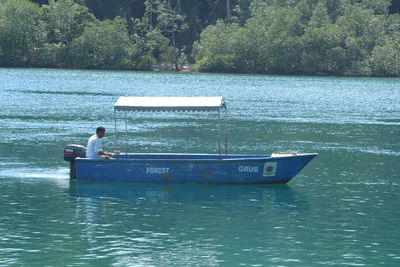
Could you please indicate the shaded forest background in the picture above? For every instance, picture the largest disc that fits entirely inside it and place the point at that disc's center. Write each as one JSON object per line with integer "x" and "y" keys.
{"x": 323, "y": 37}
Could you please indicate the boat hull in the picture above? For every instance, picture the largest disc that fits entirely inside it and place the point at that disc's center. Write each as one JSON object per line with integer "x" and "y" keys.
{"x": 193, "y": 168}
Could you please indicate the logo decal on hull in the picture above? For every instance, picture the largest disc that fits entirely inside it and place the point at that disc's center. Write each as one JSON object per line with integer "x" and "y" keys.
{"x": 269, "y": 168}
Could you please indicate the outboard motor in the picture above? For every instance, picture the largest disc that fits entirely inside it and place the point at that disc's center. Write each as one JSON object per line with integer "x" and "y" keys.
{"x": 71, "y": 152}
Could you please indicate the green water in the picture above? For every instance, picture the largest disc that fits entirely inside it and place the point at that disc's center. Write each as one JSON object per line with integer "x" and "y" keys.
{"x": 342, "y": 209}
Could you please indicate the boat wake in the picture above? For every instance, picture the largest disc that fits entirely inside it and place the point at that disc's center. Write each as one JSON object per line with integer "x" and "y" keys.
{"x": 59, "y": 173}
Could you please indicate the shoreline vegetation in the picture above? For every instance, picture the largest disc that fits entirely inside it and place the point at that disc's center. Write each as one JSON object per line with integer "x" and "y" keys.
{"x": 284, "y": 37}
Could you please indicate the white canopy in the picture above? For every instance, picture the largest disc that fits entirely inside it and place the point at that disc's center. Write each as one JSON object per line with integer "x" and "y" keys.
{"x": 129, "y": 103}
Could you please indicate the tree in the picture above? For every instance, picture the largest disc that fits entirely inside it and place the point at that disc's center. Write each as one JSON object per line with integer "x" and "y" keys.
{"x": 277, "y": 30}
{"x": 22, "y": 33}
{"x": 322, "y": 44}
{"x": 160, "y": 46}
{"x": 141, "y": 54}
{"x": 216, "y": 49}
{"x": 385, "y": 57}
{"x": 242, "y": 11}
{"x": 104, "y": 45}
{"x": 169, "y": 20}
{"x": 379, "y": 7}
{"x": 361, "y": 31}
{"x": 66, "y": 20}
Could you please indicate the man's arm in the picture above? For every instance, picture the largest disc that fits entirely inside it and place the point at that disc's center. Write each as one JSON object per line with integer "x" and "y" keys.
{"x": 105, "y": 154}
{"x": 99, "y": 148}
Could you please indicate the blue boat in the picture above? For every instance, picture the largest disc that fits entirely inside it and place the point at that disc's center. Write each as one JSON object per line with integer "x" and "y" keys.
{"x": 219, "y": 168}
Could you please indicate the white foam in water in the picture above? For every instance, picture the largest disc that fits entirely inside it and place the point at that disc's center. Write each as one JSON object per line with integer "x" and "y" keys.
{"x": 60, "y": 173}
{"x": 58, "y": 176}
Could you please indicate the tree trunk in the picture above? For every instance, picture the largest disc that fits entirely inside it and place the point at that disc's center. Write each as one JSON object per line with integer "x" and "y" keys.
{"x": 128, "y": 14}
{"x": 150, "y": 18}
{"x": 228, "y": 9}
{"x": 175, "y": 51}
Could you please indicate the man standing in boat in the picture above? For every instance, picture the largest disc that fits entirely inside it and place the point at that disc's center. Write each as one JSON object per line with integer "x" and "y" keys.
{"x": 94, "y": 149}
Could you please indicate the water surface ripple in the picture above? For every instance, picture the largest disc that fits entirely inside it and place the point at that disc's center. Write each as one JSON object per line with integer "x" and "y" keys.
{"x": 343, "y": 209}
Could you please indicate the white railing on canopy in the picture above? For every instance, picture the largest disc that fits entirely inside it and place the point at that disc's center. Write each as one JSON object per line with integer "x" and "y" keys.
{"x": 128, "y": 103}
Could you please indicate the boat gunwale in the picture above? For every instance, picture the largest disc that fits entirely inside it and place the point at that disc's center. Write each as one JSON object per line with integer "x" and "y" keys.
{"x": 260, "y": 158}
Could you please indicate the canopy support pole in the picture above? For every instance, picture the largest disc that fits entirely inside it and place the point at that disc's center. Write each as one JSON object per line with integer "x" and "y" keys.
{"x": 115, "y": 131}
{"x": 226, "y": 132}
{"x": 219, "y": 132}
{"x": 126, "y": 132}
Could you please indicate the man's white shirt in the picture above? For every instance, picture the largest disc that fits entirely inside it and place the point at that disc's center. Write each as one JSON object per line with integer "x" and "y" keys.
{"x": 93, "y": 147}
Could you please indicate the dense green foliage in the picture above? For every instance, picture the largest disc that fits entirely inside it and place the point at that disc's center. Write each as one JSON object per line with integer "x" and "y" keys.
{"x": 66, "y": 34}
{"x": 337, "y": 37}
{"x": 334, "y": 37}
{"x": 22, "y": 32}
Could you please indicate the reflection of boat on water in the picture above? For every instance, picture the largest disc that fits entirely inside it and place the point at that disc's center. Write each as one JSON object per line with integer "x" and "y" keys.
{"x": 191, "y": 220}
{"x": 221, "y": 168}
{"x": 278, "y": 195}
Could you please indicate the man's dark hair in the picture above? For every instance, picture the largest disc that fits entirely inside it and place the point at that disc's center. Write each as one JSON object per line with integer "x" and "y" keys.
{"x": 100, "y": 129}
